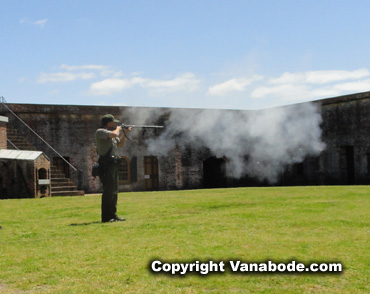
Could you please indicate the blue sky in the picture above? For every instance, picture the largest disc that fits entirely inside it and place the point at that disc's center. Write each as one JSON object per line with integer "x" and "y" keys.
{"x": 202, "y": 54}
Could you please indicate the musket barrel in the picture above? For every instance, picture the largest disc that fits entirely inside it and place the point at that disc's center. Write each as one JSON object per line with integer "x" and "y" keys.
{"x": 142, "y": 126}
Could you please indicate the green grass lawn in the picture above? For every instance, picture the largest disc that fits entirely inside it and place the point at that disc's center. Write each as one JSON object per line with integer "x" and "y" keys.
{"x": 58, "y": 245}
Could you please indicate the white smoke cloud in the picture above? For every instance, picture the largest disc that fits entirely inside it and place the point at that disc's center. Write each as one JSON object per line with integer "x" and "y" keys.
{"x": 256, "y": 143}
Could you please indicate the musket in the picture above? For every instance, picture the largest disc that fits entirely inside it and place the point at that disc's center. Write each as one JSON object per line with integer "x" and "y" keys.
{"x": 124, "y": 126}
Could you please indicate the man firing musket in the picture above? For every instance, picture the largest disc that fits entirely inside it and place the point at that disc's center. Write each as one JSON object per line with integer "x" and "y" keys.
{"x": 109, "y": 137}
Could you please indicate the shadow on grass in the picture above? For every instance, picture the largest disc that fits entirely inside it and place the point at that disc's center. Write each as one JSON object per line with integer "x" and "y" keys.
{"x": 85, "y": 224}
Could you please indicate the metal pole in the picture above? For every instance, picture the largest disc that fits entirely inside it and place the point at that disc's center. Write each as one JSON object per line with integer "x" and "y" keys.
{"x": 2, "y": 101}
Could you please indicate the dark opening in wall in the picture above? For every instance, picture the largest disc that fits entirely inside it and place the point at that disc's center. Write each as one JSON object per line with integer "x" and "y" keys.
{"x": 3, "y": 191}
{"x": 368, "y": 161}
{"x": 298, "y": 170}
{"x": 347, "y": 164}
{"x": 133, "y": 168}
{"x": 43, "y": 174}
{"x": 214, "y": 173}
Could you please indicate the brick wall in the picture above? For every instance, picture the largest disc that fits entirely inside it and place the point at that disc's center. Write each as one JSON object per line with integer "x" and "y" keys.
{"x": 41, "y": 163}
{"x": 71, "y": 130}
{"x": 19, "y": 178}
{"x": 3, "y": 122}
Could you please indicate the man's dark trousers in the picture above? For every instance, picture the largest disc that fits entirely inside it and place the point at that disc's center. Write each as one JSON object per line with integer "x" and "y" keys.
{"x": 109, "y": 179}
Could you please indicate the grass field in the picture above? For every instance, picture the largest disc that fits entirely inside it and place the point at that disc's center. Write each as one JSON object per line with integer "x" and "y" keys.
{"x": 57, "y": 245}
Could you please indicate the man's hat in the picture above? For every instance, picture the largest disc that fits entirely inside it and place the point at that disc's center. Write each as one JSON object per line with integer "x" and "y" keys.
{"x": 108, "y": 118}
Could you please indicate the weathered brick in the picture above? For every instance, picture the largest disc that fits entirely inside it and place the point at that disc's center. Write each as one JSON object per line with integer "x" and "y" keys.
{"x": 71, "y": 129}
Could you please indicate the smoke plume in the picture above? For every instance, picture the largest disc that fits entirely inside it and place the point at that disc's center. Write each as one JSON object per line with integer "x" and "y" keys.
{"x": 255, "y": 143}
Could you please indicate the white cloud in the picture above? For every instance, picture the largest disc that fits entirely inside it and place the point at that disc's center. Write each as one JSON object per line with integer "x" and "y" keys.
{"x": 110, "y": 86}
{"x": 116, "y": 74}
{"x": 320, "y": 77}
{"x": 329, "y": 76}
{"x": 340, "y": 89}
{"x": 41, "y": 23}
{"x": 64, "y": 77}
{"x": 301, "y": 86}
{"x": 186, "y": 82}
{"x": 237, "y": 92}
{"x": 233, "y": 85}
{"x": 103, "y": 70}
{"x": 136, "y": 73}
{"x": 287, "y": 92}
{"x": 78, "y": 72}
{"x": 84, "y": 67}
{"x": 358, "y": 86}
{"x": 288, "y": 78}
{"x": 54, "y": 92}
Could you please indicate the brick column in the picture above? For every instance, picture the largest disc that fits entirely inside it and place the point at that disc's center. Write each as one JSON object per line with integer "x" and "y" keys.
{"x": 3, "y": 121}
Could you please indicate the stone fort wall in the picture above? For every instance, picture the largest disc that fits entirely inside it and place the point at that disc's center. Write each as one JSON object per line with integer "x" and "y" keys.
{"x": 71, "y": 130}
